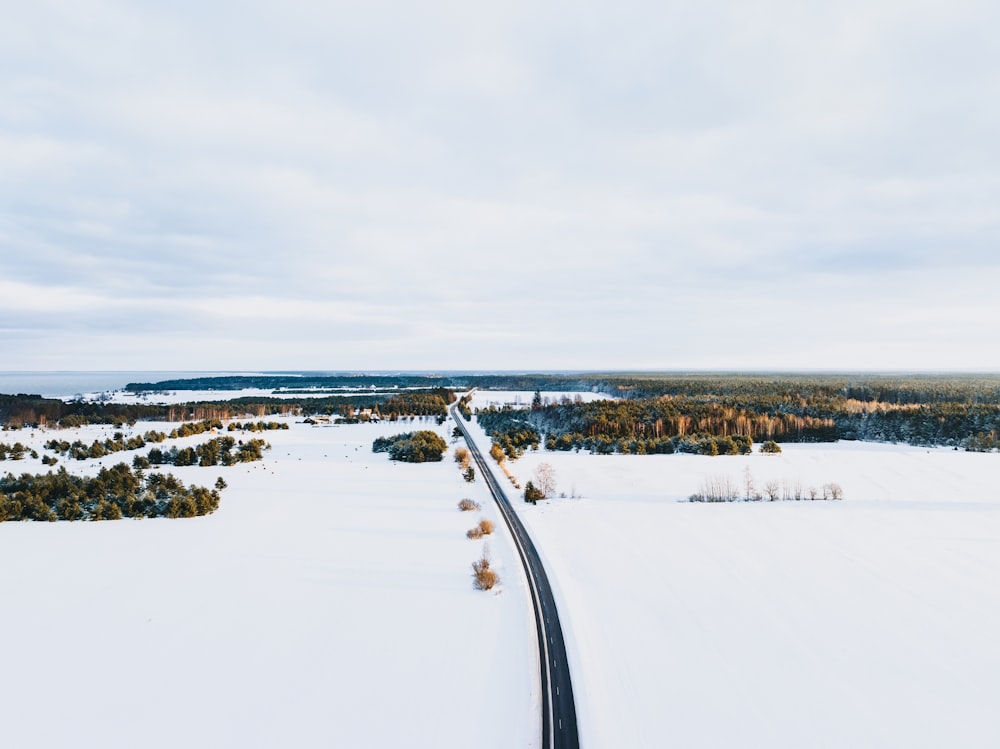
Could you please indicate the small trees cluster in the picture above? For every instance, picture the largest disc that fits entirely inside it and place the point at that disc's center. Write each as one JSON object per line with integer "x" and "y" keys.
{"x": 17, "y": 451}
{"x": 532, "y": 493}
{"x": 219, "y": 451}
{"x": 412, "y": 447}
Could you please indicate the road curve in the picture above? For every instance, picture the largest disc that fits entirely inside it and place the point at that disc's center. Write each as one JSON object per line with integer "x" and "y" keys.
{"x": 559, "y": 730}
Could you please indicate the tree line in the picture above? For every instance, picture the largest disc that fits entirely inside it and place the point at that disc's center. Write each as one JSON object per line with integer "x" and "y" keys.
{"x": 33, "y": 410}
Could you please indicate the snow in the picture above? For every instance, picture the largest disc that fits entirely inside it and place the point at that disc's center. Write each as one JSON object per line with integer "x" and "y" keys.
{"x": 867, "y": 622}
{"x": 328, "y": 602}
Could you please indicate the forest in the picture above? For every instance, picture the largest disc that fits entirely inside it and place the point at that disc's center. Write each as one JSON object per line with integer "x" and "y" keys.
{"x": 33, "y": 410}
{"x": 726, "y": 414}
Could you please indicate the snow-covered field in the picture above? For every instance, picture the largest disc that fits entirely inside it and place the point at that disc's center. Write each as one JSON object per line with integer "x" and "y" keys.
{"x": 328, "y": 603}
{"x": 868, "y": 622}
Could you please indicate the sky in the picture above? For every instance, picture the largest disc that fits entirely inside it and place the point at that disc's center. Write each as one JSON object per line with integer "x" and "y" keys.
{"x": 517, "y": 185}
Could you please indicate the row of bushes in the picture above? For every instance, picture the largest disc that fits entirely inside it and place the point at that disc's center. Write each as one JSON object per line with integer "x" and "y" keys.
{"x": 483, "y": 578}
{"x": 725, "y": 489}
{"x": 257, "y": 426}
{"x": 113, "y": 493}
{"x": 224, "y": 451}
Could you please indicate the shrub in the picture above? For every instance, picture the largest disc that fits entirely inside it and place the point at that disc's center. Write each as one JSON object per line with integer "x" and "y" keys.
{"x": 483, "y": 577}
{"x": 770, "y": 447}
{"x": 532, "y": 493}
{"x": 486, "y": 526}
{"x": 467, "y": 505}
{"x": 462, "y": 456}
{"x": 474, "y": 533}
{"x": 470, "y": 474}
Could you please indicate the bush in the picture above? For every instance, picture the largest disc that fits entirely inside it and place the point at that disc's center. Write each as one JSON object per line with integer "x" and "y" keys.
{"x": 483, "y": 577}
{"x": 532, "y": 493}
{"x": 470, "y": 474}
{"x": 474, "y": 533}
{"x": 770, "y": 447}
{"x": 462, "y": 456}
{"x": 467, "y": 505}
{"x": 486, "y": 526}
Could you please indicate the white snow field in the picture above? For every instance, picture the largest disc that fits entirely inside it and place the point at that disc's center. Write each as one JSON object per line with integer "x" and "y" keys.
{"x": 868, "y": 622}
{"x": 328, "y": 603}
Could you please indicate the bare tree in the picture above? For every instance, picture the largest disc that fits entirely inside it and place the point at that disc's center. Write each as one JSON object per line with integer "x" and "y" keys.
{"x": 545, "y": 479}
{"x": 748, "y": 483}
{"x": 772, "y": 488}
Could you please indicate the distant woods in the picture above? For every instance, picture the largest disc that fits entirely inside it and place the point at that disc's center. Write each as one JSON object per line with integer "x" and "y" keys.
{"x": 720, "y": 415}
{"x": 33, "y": 410}
{"x": 645, "y": 413}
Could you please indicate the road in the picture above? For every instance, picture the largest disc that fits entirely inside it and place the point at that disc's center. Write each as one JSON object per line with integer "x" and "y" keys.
{"x": 559, "y": 730}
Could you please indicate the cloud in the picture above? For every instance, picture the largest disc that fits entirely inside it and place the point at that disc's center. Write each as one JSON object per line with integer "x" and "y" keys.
{"x": 520, "y": 185}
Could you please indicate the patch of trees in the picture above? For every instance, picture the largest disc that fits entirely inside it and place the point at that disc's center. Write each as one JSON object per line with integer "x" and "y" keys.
{"x": 224, "y": 451}
{"x": 725, "y": 489}
{"x": 78, "y": 450}
{"x": 510, "y": 430}
{"x": 114, "y": 493}
{"x": 412, "y": 447}
{"x": 17, "y": 451}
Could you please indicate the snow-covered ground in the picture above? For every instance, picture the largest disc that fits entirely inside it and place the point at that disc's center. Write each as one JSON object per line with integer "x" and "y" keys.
{"x": 328, "y": 603}
{"x": 868, "y": 622}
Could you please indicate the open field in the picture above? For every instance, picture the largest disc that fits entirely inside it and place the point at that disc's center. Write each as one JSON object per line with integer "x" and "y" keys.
{"x": 332, "y": 589}
{"x": 328, "y": 602}
{"x": 868, "y": 622}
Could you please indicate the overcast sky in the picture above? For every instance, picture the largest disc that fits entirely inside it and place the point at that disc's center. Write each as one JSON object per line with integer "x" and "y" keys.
{"x": 516, "y": 185}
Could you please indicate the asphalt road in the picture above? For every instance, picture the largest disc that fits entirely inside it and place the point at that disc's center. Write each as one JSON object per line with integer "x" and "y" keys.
{"x": 559, "y": 730}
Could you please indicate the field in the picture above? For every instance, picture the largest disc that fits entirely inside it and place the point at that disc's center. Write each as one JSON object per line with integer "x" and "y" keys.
{"x": 867, "y": 622}
{"x": 329, "y": 603}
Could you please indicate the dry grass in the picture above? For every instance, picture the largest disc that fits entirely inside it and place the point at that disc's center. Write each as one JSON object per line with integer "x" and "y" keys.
{"x": 483, "y": 577}
{"x": 467, "y": 505}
